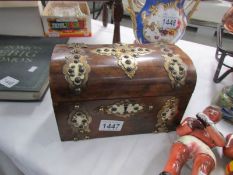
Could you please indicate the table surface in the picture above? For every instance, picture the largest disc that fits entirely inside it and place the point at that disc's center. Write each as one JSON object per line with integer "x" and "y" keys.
{"x": 29, "y": 134}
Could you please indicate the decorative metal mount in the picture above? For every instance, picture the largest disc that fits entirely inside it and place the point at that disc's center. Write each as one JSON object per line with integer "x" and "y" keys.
{"x": 76, "y": 69}
{"x": 79, "y": 122}
{"x": 124, "y": 108}
{"x": 77, "y": 45}
{"x": 126, "y": 56}
{"x": 175, "y": 67}
{"x": 166, "y": 114}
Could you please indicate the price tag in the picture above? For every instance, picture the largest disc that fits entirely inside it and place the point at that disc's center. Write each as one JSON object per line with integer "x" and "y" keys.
{"x": 9, "y": 81}
{"x": 110, "y": 125}
{"x": 170, "y": 22}
{"x": 32, "y": 69}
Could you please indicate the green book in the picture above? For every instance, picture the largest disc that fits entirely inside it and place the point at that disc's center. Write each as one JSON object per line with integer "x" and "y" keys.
{"x": 24, "y": 66}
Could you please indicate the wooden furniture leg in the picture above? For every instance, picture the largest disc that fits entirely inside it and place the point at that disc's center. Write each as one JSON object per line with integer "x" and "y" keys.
{"x": 93, "y": 10}
{"x": 117, "y": 14}
{"x": 117, "y": 11}
{"x": 105, "y": 14}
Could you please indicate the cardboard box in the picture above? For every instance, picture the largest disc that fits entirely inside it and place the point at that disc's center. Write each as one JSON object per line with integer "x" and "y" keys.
{"x": 21, "y": 18}
{"x": 67, "y": 19}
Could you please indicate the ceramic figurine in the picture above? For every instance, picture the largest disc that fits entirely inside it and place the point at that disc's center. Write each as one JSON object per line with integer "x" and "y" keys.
{"x": 197, "y": 137}
{"x": 160, "y": 20}
{"x": 228, "y": 148}
{"x": 228, "y": 20}
{"x": 228, "y": 151}
{"x": 225, "y": 101}
{"x": 226, "y": 97}
{"x": 229, "y": 168}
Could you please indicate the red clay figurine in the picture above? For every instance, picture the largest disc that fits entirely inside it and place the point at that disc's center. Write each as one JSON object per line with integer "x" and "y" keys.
{"x": 197, "y": 137}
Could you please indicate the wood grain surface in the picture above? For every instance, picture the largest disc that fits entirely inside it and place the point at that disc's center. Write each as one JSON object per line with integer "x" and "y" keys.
{"x": 108, "y": 84}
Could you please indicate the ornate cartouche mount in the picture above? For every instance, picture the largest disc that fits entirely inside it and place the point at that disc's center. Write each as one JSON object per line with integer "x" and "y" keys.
{"x": 126, "y": 56}
{"x": 124, "y": 108}
{"x": 175, "y": 67}
{"x": 76, "y": 69}
{"x": 79, "y": 122}
{"x": 166, "y": 114}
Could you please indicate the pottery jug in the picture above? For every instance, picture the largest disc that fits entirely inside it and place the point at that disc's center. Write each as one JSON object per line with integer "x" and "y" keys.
{"x": 228, "y": 20}
{"x": 160, "y": 20}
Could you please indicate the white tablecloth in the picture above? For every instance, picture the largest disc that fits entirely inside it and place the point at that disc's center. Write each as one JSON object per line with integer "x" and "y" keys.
{"x": 29, "y": 135}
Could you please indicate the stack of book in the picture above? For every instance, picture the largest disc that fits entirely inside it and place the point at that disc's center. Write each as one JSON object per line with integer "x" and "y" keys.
{"x": 24, "y": 65}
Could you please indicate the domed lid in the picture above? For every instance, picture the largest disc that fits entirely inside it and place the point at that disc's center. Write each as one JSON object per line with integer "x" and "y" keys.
{"x": 119, "y": 71}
